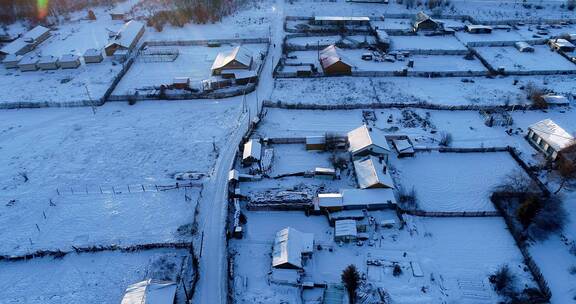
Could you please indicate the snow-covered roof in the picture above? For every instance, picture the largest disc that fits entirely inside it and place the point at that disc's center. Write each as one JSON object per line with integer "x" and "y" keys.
{"x": 252, "y": 149}
{"x": 421, "y": 17}
{"x": 14, "y": 46}
{"x": 362, "y": 138}
{"x": 28, "y": 60}
{"x": 340, "y": 18}
{"x": 92, "y": 52}
{"x": 150, "y": 292}
{"x": 330, "y": 55}
{"x": 48, "y": 59}
{"x": 555, "y": 99}
{"x": 367, "y": 197}
{"x": 403, "y": 146}
{"x": 69, "y": 58}
{"x": 240, "y": 54}
{"x": 552, "y": 134}
{"x": 472, "y": 27}
{"x": 345, "y": 228}
{"x": 371, "y": 172}
{"x": 562, "y": 43}
{"x": 35, "y": 33}
{"x": 289, "y": 245}
{"x": 327, "y": 200}
{"x": 522, "y": 45}
{"x": 127, "y": 34}
{"x": 315, "y": 140}
{"x": 12, "y": 58}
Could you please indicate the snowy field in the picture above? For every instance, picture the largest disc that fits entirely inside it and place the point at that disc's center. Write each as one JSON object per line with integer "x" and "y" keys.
{"x": 193, "y": 62}
{"x": 513, "y": 60}
{"x": 360, "y": 90}
{"x": 59, "y": 87}
{"x": 495, "y": 36}
{"x": 332, "y": 39}
{"x": 417, "y": 43}
{"x": 294, "y": 158}
{"x": 454, "y": 181}
{"x": 83, "y": 220}
{"x": 459, "y": 262}
{"x": 86, "y": 278}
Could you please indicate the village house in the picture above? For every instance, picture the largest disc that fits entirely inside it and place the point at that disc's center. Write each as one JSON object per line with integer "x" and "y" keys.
{"x": 291, "y": 247}
{"x": 93, "y": 56}
{"x": 332, "y": 63}
{"x": 423, "y": 22}
{"x": 126, "y": 38}
{"x": 252, "y": 152}
{"x": 239, "y": 58}
{"x": 365, "y": 141}
{"x": 150, "y": 292}
{"x": 561, "y": 45}
{"x": 371, "y": 173}
{"x": 28, "y": 42}
{"x": 549, "y": 138}
{"x": 69, "y": 61}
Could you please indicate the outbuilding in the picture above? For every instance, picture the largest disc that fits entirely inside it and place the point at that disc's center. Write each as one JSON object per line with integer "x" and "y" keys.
{"x": 423, "y": 22}
{"x": 239, "y": 58}
{"x": 150, "y": 292}
{"x": 37, "y": 35}
{"x": 93, "y": 56}
{"x": 126, "y": 39}
{"x": 11, "y": 61}
{"x": 28, "y": 42}
{"x": 403, "y": 147}
{"x": 16, "y": 47}
{"x": 524, "y": 47}
{"x": 291, "y": 247}
{"x": 345, "y": 231}
{"x": 181, "y": 83}
{"x": 69, "y": 61}
{"x": 332, "y": 62}
{"x": 252, "y": 152}
{"x": 549, "y": 138}
{"x": 562, "y": 45}
{"x": 371, "y": 173}
{"x": 48, "y": 63}
{"x": 365, "y": 141}
{"x": 28, "y": 63}
{"x": 478, "y": 29}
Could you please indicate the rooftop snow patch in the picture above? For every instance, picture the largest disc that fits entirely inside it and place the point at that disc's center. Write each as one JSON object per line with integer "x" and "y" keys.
{"x": 371, "y": 172}
{"x": 362, "y": 138}
{"x": 150, "y": 292}
{"x": 289, "y": 245}
{"x": 552, "y": 134}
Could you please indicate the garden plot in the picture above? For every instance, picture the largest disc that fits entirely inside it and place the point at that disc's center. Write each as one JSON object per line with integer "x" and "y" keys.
{"x": 86, "y": 278}
{"x": 422, "y": 63}
{"x": 495, "y": 36}
{"x": 295, "y": 158}
{"x": 454, "y": 181}
{"x": 427, "y": 43}
{"x": 513, "y": 60}
{"x": 82, "y": 86}
{"x": 83, "y": 220}
{"x": 194, "y": 62}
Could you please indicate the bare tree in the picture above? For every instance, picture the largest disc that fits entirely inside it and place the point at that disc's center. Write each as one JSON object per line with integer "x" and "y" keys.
{"x": 567, "y": 166}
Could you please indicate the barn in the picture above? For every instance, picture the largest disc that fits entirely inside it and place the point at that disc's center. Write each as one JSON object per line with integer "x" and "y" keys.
{"x": 150, "y": 292}
{"x": 549, "y": 138}
{"x": 126, "y": 39}
{"x": 252, "y": 152}
{"x": 372, "y": 173}
{"x": 239, "y": 58}
{"x": 332, "y": 62}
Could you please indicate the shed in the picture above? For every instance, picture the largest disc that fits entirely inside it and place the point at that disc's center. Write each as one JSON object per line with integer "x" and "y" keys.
{"x": 181, "y": 83}
{"x": 328, "y": 173}
{"x": 11, "y": 61}
{"x": 150, "y": 292}
{"x": 553, "y": 99}
{"x": 371, "y": 172}
{"x": 252, "y": 152}
{"x": 245, "y": 77}
{"x": 126, "y": 38}
{"x": 48, "y": 63}
{"x": 549, "y": 138}
{"x": 332, "y": 62}
{"x": 28, "y": 63}
{"x": 303, "y": 70}
{"x": 478, "y": 29}
{"x": 423, "y": 22}
{"x": 560, "y": 44}
{"x": 239, "y": 58}
{"x": 403, "y": 147}
{"x": 366, "y": 141}
{"x": 524, "y": 47}
{"x": 290, "y": 246}
{"x": 330, "y": 201}
{"x": 345, "y": 231}
{"x": 93, "y": 56}
{"x": 117, "y": 15}
{"x": 316, "y": 143}
{"x": 69, "y": 61}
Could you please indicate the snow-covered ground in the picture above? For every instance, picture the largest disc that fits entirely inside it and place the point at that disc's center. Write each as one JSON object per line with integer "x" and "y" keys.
{"x": 512, "y": 60}
{"x": 85, "y": 278}
{"x": 454, "y": 181}
{"x": 416, "y": 43}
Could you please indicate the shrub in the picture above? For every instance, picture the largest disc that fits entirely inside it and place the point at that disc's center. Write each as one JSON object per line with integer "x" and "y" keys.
{"x": 91, "y": 15}
{"x": 550, "y": 218}
{"x": 397, "y": 270}
{"x": 445, "y": 139}
{"x": 503, "y": 281}
{"x": 408, "y": 199}
{"x": 527, "y": 211}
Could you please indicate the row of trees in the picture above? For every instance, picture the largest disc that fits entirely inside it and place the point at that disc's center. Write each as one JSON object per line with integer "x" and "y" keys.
{"x": 12, "y": 10}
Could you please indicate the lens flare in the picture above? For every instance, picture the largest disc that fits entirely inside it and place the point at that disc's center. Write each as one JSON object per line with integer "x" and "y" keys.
{"x": 42, "y": 7}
